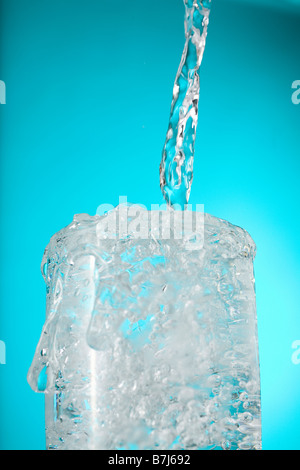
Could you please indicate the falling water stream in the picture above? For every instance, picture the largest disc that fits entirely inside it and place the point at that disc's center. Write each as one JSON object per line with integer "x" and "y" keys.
{"x": 176, "y": 168}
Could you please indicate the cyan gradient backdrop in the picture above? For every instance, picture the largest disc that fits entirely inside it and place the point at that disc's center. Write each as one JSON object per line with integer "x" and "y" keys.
{"x": 89, "y": 87}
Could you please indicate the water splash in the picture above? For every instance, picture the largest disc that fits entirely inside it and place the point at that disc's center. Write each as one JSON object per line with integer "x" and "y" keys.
{"x": 176, "y": 168}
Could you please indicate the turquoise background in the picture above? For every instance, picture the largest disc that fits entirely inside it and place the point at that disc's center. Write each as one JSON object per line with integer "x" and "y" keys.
{"x": 89, "y": 87}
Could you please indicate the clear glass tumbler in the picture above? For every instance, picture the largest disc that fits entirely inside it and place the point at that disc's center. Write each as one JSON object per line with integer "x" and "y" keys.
{"x": 150, "y": 340}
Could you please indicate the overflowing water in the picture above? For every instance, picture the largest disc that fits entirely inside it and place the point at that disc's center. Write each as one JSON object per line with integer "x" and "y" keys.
{"x": 176, "y": 168}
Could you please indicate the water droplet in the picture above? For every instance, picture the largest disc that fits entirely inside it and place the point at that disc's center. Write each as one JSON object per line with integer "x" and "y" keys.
{"x": 77, "y": 292}
{"x": 226, "y": 445}
{"x": 42, "y": 380}
{"x": 247, "y": 417}
{"x": 45, "y": 269}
